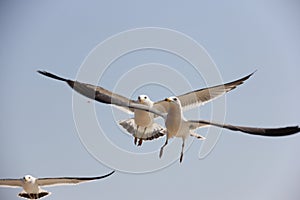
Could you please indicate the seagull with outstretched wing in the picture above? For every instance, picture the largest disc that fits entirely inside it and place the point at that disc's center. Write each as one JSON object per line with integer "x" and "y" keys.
{"x": 31, "y": 185}
{"x": 178, "y": 126}
{"x": 142, "y": 125}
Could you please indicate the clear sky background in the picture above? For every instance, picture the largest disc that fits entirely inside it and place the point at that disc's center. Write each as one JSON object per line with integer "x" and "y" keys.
{"x": 38, "y": 133}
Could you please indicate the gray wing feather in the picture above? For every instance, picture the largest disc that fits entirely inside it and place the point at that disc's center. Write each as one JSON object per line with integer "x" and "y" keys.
{"x": 97, "y": 93}
{"x": 199, "y": 97}
{"x": 10, "y": 183}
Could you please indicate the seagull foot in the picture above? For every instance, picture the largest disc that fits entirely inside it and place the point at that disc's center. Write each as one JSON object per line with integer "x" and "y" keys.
{"x": 161, "y": 152}
{"x": 140, "y": 142}
{"x": 181, "y": 157}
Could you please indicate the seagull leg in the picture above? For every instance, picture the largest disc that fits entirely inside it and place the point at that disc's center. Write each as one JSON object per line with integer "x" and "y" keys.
{"x": 182, "y": 148}
{"x": 141, "y": 139}
{"x": 162, "y": 148}
{"x": 136, "y": 132}
{"x": 140, "y": 142}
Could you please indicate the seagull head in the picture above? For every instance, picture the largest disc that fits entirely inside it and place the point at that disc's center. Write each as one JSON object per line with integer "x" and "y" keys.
{"x": 29, "y": 179}
{"x": 174, "y": 105}
{"x": 144, "y": 99}
{"x": 173, "y": 100}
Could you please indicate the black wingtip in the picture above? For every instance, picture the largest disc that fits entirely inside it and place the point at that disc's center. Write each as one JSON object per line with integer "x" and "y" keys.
{"x": 107, "y": 174}
{"x": 274, "y": 132}
{"x": 286, "y": 131}
{"x": 111, "y": 173}
{"x": 104, "y": 176}
{"x": 48, "y": 74}
{"x": 250, "y": 74}
{"x": 291, "y": 130}
{"x": 254, "y": 71}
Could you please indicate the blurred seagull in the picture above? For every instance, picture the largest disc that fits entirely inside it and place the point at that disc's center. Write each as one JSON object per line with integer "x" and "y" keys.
{"x": 31, "y": 185}
{"x": 142, "y": 125}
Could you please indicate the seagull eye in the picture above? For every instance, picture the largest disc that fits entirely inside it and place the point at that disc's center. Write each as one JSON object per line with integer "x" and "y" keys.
{"x": 175, "y": 99}
{"x": 145, "y": 97}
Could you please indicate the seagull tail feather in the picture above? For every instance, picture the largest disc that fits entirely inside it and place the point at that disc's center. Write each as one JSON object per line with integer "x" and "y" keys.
{"x": 39, "y": 195}
{"x": 152, "y": 132}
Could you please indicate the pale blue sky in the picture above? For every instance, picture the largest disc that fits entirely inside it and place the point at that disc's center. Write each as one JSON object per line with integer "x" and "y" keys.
{"x": 38, "y": 133}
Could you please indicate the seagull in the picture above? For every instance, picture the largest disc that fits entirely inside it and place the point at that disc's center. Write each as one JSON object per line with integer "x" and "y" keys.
{"x": 31, "y": 185}
{"x": 142, "y": 125}
{"x": 178, "y": 126}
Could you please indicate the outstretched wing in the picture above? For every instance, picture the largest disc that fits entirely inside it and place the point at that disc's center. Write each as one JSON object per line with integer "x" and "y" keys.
{"x": 68, "y": 180}
{"x": 102, "y": 95}
{"x": 272, "y": 132}
{"x": 10, "y": 182}
{"x": 202, "y": 96}
{"x": 97, "y": 93}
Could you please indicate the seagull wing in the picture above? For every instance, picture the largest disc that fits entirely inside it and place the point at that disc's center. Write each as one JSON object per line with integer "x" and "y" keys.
{"x": 202, "y": 96}
{"x": 272, "y": 132}
{"x": 104, "y": 96}
{"x": 97, "y": 93}
{"x": 10, "y": 182}
{"x": 68, "y": 180}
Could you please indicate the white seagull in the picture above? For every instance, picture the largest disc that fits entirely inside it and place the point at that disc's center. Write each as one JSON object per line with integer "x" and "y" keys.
{"x": 31, "y": 185}
{"x": 142, "y": 125}
{"x": 178, "y": 126}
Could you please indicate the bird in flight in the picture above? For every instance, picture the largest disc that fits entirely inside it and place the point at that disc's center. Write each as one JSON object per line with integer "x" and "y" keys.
{"x": 142, "y": 125}
{"x": 178, "y": 126}
{"x": 31, "y": 185}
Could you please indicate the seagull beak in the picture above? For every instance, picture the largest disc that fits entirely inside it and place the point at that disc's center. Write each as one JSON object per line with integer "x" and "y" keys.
{"x": 140, "y": 99}
{"x": 25, "y": 179}
{"x": 168, "y": 100}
